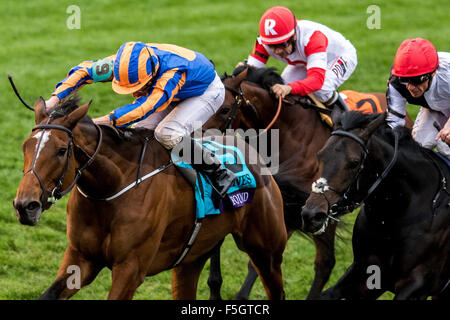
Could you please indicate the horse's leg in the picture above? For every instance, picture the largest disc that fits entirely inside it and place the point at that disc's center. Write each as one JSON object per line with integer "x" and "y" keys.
{"x": 185, "y": 279}
{"x": 215, "y": 274}
{"x": 410, "y": 287}
{"x": 324, "y": 262}
{"x": 247, "y": 286}
{"x": 266, "y": 254}
{"x": 66, "y": 283}
{"x": 352, "y": 286}
{"x": 268, "y": 267}
{"x": 250, "y": 279}
{"x": 127, "y": 276}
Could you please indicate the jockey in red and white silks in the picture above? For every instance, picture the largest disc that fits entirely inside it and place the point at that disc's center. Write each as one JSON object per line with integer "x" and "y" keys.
{"x": 318, "y": 58}
{"x": 421, "y": 76}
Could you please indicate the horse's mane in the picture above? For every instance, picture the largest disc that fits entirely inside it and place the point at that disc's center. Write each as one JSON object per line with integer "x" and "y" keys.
{"x": 264, "y": 77}
{"x": 127, "y": 134}
{"x": 354, "y": 120}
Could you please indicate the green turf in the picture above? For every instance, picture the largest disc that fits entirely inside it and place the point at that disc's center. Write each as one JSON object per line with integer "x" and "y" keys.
{"x": 38, "y": 49}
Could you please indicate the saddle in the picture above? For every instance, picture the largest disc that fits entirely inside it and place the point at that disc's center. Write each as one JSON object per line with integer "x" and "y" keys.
{"x": 207, "y": 202}
{"x": 356, "y": 101}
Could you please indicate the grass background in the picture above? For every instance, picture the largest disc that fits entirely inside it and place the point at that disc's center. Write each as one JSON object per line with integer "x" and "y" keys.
{"x": 38, "y": 49}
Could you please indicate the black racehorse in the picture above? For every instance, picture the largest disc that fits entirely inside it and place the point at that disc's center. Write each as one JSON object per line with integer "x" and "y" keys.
{"x": 401, "y": 237}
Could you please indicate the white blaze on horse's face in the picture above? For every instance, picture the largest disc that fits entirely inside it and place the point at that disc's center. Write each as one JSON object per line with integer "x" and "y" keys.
{"x": 45, "y": 138}
{"x": 320, "y": 185}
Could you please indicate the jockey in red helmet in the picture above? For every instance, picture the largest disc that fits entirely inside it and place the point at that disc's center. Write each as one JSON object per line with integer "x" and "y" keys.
{"x": 175, "y": 90}
{"x": 318, "y": 59}
{"x": 421, "y": 76}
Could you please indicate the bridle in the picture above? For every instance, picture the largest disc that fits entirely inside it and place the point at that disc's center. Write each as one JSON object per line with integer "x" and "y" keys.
{"x": 49, "y": 197}
{"x": 239, "y": 100}
{"x": 237, "y": 103}
{"x": 344, "y": 204}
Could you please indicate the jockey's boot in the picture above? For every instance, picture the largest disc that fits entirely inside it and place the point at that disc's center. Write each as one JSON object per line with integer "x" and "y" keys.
{"x": 339, "y": 102}
{"x": 221, "y": 178}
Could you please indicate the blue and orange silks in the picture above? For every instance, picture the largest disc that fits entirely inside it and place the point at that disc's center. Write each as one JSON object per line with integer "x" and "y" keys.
{"x": 176, "y": 74}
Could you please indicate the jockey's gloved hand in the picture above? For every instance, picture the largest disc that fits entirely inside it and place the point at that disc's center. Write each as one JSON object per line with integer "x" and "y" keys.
{"x": 52, "y": 102}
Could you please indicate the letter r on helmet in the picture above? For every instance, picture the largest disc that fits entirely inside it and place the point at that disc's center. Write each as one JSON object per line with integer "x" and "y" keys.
{"x": 269, "y": 24}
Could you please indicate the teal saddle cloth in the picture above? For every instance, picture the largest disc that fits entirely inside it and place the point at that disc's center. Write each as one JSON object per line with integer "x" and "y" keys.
{"x": 238, "y": 195}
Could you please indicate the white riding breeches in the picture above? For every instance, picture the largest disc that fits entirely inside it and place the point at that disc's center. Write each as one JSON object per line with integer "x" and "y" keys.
{"x": 424, "y": 131}
{"x": 336, "y": 74}
{"x": 181, "y": 119}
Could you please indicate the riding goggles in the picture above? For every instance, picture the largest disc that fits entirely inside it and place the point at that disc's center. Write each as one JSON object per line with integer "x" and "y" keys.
{"x": 415, "y": 80}
{"x": 282, "y": 45}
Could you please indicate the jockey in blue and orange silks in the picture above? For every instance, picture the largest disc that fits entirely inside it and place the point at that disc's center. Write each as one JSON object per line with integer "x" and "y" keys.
{"x": 174, "y": 88}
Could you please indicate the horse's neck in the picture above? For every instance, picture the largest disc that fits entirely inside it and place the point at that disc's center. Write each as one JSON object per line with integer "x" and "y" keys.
{"x": 412, "y": 176}
{"x": 117, "y": 163}
{"x": 302, "y": 135}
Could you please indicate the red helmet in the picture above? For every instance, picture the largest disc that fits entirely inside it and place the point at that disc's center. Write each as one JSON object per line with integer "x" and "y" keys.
{"x": 415, "y": 57}
{"x": 276, "y": 25}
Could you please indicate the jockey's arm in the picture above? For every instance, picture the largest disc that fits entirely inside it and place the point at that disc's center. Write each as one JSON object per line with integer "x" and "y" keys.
{"x": 85, "y": 73}
{"x": 259, "y": 56}
{"x": 316, "y": 65}
{"x": 396, "y": 107}
{"x": 158, "y": 98}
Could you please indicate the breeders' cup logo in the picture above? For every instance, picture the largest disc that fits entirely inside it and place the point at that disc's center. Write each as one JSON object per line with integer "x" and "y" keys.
{"x": 239, "y": 199}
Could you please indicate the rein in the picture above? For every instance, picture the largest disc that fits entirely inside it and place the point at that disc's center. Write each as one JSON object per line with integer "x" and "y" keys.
{"x": 321, "y": 186}
{"x": 280, "y": 100}
{"x": 239, "y": 97}
{"x": 139, "y": 178}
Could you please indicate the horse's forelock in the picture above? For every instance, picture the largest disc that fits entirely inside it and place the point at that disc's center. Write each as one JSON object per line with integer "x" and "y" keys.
{"x": 264, "y": 77}
{"x": 355, "y": 119}
{"x": 65, "y": 108}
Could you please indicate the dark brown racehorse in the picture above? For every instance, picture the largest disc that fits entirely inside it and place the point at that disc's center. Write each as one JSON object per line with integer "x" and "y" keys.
{"x": 249, "y": 104}
{"x": 401, "y": 237}
{"x": 143, "y": 231}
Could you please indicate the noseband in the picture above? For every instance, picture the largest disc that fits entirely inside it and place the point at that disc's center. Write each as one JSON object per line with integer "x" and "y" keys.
{"x": 48, "y": 197}
{"x": 344, "y": 204}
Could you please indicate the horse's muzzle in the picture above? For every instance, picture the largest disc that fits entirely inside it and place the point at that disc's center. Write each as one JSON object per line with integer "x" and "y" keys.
{"x": 28, "y": 211}
{"x": 313, "y": 220}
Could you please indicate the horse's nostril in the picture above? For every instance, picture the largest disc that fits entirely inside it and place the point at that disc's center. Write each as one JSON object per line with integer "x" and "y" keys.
{"x": 33, "y": 205}
{"x": 319, "y": 216}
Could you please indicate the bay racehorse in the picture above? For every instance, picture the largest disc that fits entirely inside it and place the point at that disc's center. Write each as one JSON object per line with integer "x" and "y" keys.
{"x": 142, "y": 231}
{"x": 401, "y": 237}
{"x": 250, "y": 104}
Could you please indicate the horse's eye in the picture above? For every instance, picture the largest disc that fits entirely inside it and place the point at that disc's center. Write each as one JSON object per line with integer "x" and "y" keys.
{"x": 353, "y": 164}
{"x": 62, "y": 152}
{"x": 225, "y": 110}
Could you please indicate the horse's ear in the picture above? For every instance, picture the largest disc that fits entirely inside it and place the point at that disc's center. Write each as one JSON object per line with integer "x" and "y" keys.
{"x": 77, "y": 114}
{"x": 336, "y": 116}
{"x": 373, "y": 125}
{"x": 239, "y": 78}
{"x": 39, "y": 110}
